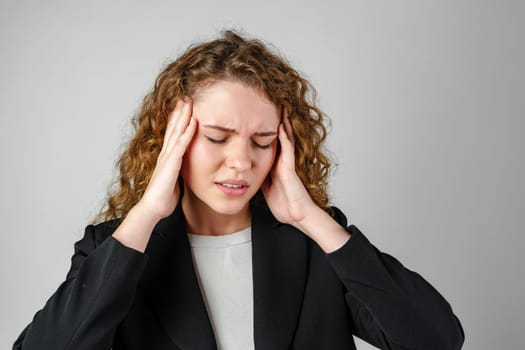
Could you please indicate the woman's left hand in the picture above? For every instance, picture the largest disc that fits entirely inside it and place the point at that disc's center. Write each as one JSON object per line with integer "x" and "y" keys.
{"x": 285, "y": 194}
{"x": 291, "y": 203}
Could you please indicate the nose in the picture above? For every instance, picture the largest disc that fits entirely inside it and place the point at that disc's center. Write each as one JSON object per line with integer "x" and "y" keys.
{"x": 239, "y": 157}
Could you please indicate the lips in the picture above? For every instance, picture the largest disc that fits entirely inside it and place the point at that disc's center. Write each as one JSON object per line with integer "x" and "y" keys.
{"x": 233, "y": 187}
{"x": 233, "y": 183}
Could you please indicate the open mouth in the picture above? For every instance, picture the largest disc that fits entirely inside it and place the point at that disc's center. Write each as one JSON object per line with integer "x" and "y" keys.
{"x": 232, "y": 185}
{"x": 233, "y": 188}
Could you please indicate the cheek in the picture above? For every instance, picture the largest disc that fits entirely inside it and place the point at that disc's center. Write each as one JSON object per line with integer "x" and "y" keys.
{"x": 267, "y": 161}
{"x": 190, "y": 161}
{"x": 199, "y": 156}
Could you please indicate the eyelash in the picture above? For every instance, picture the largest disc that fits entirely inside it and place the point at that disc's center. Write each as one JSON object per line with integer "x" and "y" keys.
{"x": 224, "y": 140}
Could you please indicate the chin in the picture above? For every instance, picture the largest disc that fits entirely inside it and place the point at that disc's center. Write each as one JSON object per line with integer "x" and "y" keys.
{"x": 228, "y": 208}
{"x": 217, "y": 203}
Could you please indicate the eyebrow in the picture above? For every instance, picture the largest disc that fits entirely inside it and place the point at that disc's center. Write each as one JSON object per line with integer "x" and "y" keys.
{"x": 260, "y": 133}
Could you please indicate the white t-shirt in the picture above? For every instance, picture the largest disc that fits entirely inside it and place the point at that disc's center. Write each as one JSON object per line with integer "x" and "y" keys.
{"x": 224, "y": 270}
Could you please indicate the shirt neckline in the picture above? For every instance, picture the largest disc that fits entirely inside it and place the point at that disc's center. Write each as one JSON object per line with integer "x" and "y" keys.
{"x": 220, "y": 241}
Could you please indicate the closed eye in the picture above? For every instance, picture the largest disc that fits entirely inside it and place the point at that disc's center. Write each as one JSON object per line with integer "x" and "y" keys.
{"x": 261, "y": 146}
{"x": 215, "y": 140}
{"x": 221, "y": 141}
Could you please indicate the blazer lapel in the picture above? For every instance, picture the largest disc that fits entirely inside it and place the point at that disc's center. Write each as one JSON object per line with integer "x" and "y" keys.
{"x": 280, "y": 260}
{"x": 279, "y": 263}
{"x": 172, "y": 287}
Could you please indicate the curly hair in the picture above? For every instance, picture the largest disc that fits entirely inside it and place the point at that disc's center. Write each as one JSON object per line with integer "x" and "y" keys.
{"x": 233, "y": 58}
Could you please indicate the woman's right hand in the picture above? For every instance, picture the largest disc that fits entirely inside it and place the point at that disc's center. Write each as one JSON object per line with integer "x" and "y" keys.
{"x": 163, "y": 191}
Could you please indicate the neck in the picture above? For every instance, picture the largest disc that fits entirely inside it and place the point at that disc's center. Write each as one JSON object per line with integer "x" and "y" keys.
{"x": 203, "y": 220}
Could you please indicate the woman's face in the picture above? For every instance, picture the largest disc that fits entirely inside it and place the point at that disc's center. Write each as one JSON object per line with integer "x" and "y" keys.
{"x": 233, "y": 149}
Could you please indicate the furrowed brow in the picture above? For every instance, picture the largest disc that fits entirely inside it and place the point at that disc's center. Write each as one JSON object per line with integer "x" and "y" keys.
{"x": 220, "y": 128}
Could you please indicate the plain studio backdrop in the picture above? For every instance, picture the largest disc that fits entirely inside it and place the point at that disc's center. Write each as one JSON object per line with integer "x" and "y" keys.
{"x": 427, "y": 106}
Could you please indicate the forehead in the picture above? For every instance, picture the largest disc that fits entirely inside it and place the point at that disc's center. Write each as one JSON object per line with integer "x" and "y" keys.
{"x": 236, "y": 106}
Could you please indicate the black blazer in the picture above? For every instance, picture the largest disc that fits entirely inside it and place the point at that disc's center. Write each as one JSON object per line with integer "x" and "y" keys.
{"x": 116, "y": 297}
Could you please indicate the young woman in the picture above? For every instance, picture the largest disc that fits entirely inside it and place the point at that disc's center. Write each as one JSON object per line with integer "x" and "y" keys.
{"x": 221, "y": 235}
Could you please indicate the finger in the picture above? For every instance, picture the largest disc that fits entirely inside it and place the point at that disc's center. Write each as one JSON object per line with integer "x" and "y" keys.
{"x": 185, "y": 138}
{"x": 172, "y": 120}
{"x": 180, "y": 126}
{"x": 286, "y": 143}
{"x": 286, "y": 156}
{"x": 288, "y": 126}
{"x": 285, "y": 112}
{"x": 183, "y": 118}
{"x": 170, "y": 160}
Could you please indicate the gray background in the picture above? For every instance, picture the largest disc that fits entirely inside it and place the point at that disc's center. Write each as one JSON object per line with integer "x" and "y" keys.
{"x": 426, "y": 97}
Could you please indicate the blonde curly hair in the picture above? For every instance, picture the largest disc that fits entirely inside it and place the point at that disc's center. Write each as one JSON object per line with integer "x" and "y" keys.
{"x": 235, "y": 58}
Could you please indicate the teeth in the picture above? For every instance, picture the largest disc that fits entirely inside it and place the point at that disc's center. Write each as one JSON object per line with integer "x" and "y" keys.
{"x": 232, "y": 185}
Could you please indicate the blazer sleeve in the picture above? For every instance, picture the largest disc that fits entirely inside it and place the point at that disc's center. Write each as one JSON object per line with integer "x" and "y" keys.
{"x": 391, "y": 306}
{"x": 95, "y": 297}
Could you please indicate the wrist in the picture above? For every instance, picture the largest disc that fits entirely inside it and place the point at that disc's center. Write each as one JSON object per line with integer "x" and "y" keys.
{"x": 309, "y": 217}
{"x": 135, "y": 230}
{"x": 145, "y": 211}
{"x": 323, "y": 229}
